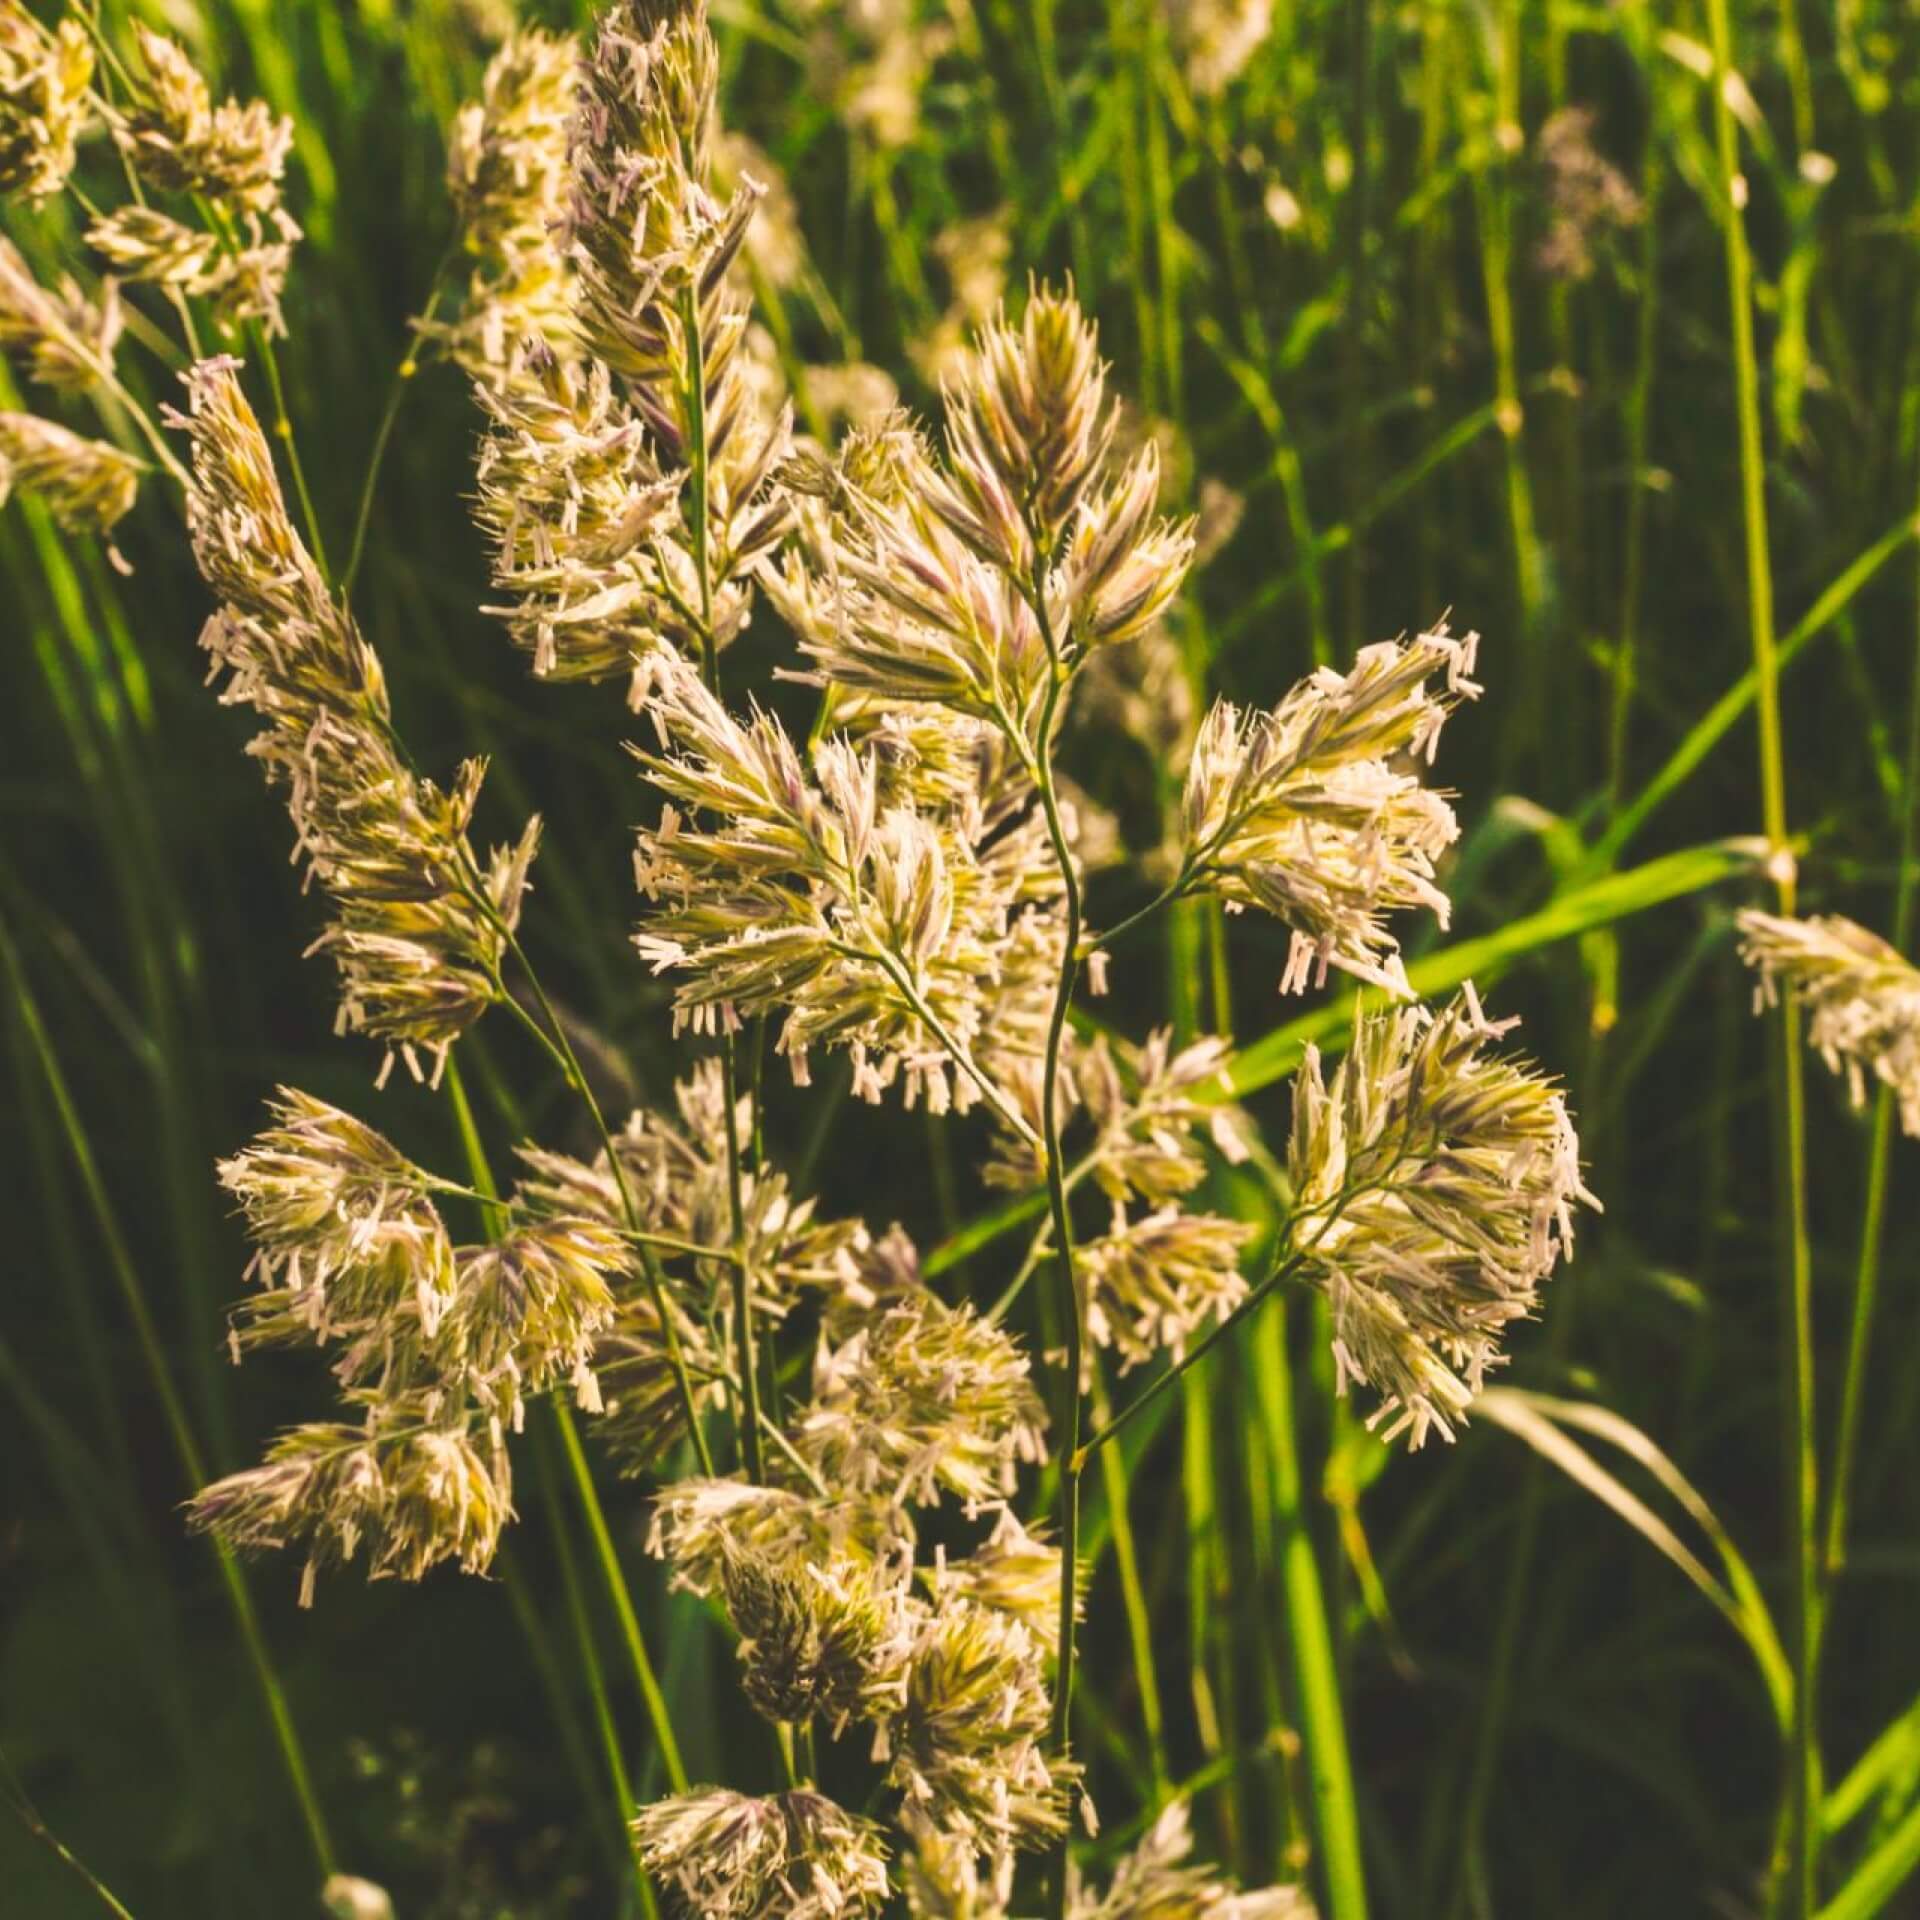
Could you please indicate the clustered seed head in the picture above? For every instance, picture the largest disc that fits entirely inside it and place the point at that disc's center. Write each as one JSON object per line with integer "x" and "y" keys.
{"x": 508, "y": 180}
{"x": 231, "y": 160}
{"x": 888, "y": 929}
{"x": 582, "y": 475}
{"x": 340, "y": 1219}
{"x": 44, "y": 104}
{"x": 1863, "y": 996}
{"x": 821, "y": 1639}
{"x": 968, "y": 1747}
{"x": 411, "y": 1486}
{"x": 792, "y": 1856}
{"x": 65, "y": 340}
{"x": 965, "y": 582}
{"x": 896, "y": 887}
{"x": 942, "y": 1878}
{"x": 679, "y": 1180}
{"x": 1155, "y": 1882}
{"x": 923, "y": 1399}
{"x": 1151, "y": 1283}
{"x": 584, "y": 469}
{"x": 437, "y": 1346}
{"x": 419, "y": 924}
{"x": 1304, "y": 812}
{"x": 1013, "y": 1570}
{"x": 702, "y": 1526}
{"x": 1145, "y": 1106}
{"x": 583, "y": 522}
{"x": 952, "y": 1682}
{"x": 89, "y": 487}
{"x": 1436, "y": 1183}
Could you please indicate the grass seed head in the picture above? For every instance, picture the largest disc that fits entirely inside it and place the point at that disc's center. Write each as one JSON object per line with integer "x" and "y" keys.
{"x": 1862, "y": 996}
{"x": 1436, "y": 1183}
{"x": 45, "y": 105}
{"x": 793, "y": 1856}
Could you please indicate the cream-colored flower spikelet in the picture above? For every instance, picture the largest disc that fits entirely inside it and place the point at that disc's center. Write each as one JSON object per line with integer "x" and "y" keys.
{"x": 1862, "y": 996}
{"x": 1436, "y": 1184}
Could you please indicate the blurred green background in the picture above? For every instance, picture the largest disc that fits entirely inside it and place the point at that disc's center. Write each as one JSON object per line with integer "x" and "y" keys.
{"x": 1429, "y": 302}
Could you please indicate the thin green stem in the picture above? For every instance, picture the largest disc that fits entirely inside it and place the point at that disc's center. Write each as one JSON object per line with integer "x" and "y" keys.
{"x": 1873, "y": 1223}
{"x": 1493, "y": 192}
{"x": 560, "y": 1050}
{"x": 1191, "y": 1358}
{"x": 700, "y": 532}
{"x": 1113, "y": 1467}
{"x": 604, "y": 1723}
{"x": 283, "y": 427}
{"x": 1289, "y": 1257}
{"x": 486, "y": 1192}
{"x": 1167, "y": 895}
{"x": 403, "y": 378}
{"x": 1072, "y": 1313}
{"x": 1316, "y": 1678}
{"x": 616, "y": 1584}
{"x": 29, "y": 1817}
{"x": 1639, "y": 415}
{"x": 1038, "y": 1247}
{"x": 120, "y": 1260}
{"x": 1798, "y": 1444}
{"x": 742, "y": 1280}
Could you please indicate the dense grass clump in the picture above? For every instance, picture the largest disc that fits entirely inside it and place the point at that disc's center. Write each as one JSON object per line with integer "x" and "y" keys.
{"x": 892, "y": 1131}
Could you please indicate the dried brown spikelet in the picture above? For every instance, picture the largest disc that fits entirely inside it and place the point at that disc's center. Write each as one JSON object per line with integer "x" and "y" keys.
{"x": 44, "y": 102}
{"x": 420, "y": 925}
{"x": 1435, "y": 1183}
{"x": 1863, "y": 996}
{"x": 88, "y": 486}
{"x": 720, "y": 1855}
{"x": 1304, "y": 811}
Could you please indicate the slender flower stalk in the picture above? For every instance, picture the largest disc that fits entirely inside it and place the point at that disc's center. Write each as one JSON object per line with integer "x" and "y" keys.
{"x": 1873, "y": 1222}
{"x": 1798, "y": 1426}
